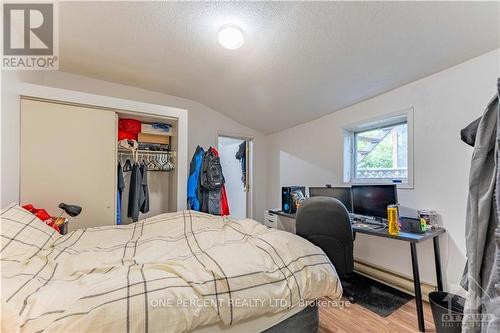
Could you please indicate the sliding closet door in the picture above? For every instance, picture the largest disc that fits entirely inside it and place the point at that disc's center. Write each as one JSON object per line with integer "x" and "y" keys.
{"x": 68, "y": 154}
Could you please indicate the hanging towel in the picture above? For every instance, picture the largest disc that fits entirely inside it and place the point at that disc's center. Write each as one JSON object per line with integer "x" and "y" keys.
{"x": 144, "y": 208}
{"x": 120, "y": 187}
{"x": 135, "y": 190}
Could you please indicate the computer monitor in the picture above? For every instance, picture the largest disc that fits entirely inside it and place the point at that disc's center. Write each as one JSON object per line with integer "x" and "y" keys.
{"x": 343, "y": 194}
{"x": 372, "y": 200}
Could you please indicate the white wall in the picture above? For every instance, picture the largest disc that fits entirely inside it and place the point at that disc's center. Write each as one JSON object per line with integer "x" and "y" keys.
{"x": 236, "y": 195}
{"x": 311, "y": 154}
{"x": 204, "y": 124}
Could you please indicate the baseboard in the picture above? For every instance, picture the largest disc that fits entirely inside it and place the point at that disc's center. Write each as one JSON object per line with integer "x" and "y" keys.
{"x": 394, "y": 279}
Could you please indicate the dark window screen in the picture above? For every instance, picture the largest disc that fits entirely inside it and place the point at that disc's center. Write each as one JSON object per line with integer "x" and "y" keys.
{"x": 372, "y": 200}
{"x": 343, "y": 194}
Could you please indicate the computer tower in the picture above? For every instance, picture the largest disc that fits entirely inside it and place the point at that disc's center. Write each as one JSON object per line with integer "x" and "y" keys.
{"x": 287, "y": 203}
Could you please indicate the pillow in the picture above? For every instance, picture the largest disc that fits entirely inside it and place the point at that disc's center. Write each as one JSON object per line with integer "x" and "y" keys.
{"x": 23, "y": 234}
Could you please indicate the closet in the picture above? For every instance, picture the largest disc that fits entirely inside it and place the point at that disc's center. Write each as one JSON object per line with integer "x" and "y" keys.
{"x": 161, "y": 166}
{"x": 69, "y": 153}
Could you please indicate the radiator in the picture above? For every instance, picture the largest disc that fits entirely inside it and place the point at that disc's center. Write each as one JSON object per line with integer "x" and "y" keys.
{"x": 394, "y": 279}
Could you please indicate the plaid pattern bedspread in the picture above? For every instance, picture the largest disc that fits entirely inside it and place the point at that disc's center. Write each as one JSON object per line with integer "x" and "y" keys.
{"x": 170, "y": 273}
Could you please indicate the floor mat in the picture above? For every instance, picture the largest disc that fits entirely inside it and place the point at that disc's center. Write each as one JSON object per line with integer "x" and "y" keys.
{"x": 375, "y": 296}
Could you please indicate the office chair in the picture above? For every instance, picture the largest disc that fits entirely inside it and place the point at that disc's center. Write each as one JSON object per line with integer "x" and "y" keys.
{"x": 325, "y": 222}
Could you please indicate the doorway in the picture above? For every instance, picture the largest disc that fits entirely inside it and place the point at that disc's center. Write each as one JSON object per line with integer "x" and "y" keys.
{"x": 236, "y": 160}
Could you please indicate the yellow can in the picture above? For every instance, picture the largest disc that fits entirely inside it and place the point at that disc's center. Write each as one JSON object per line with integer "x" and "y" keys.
{"x": 393, "y": 218}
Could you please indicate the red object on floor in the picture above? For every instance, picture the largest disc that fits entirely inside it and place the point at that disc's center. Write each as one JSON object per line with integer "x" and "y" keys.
{"x": 42, "y": 215}
{"x": 224, "y": 204}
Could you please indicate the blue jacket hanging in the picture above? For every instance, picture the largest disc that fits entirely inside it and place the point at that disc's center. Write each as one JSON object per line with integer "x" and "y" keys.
{"x": 193, "y": 186}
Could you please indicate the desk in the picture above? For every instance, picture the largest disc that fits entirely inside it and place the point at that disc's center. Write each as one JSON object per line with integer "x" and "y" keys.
{"x": 413, "y": 239}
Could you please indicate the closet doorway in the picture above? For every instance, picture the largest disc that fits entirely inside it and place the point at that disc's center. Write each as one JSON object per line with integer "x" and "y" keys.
{"x": 236, "y": 155}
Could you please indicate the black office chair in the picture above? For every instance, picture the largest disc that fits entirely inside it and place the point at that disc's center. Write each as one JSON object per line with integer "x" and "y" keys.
{"x": 325, "y": 222}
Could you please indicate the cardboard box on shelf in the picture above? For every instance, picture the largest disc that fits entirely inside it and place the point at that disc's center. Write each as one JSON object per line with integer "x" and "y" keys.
{"x": 154, "y": 138}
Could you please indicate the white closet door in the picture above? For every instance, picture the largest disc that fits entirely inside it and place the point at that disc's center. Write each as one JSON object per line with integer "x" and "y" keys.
{"x": 68, "y": 154}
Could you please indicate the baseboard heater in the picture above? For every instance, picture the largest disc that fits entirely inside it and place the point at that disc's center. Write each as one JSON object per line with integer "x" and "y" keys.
{"x": 393, "y": 279}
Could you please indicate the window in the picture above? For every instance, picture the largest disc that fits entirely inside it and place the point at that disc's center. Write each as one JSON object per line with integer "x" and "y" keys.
{"x": 380, "y": 151}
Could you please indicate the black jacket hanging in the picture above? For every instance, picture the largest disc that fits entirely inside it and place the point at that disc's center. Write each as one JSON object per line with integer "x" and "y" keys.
{"x": 144, "y": 208}
{"x": 241, "y": 155}
{"x": 120, "y": 187}
{"x": 134, "y": 195}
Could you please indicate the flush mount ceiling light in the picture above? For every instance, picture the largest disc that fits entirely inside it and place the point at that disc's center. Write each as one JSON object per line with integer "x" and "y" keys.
{"x": 231, "y": 37}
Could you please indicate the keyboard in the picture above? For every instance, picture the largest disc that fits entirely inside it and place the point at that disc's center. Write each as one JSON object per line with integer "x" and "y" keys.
{"x": 355, "y": 218}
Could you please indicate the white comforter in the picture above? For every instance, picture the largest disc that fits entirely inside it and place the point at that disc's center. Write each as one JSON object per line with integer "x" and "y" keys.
{"x": 170, "y": 273}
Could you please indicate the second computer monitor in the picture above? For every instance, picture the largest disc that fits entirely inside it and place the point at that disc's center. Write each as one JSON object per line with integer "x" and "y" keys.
{"x": 343, "y": 194}
{"x": 372, "y": 200}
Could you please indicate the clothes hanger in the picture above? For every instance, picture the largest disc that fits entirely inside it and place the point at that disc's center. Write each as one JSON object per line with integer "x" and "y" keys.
{"x": 156, "y": 164}
{"x": 144, "y": 162}
{"x": 170, "y": 163}
{"x": 150, "y": 164}
{"x": 165, "y": 162}
{"x": 127, "y": 166}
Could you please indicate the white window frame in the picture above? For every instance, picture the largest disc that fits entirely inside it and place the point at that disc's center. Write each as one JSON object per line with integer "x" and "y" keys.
{"x": 374, "y": 123}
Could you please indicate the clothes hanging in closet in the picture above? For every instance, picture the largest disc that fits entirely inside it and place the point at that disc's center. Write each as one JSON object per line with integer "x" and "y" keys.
{"x": 120, "y": 187}
{"x": 135, "y": 191}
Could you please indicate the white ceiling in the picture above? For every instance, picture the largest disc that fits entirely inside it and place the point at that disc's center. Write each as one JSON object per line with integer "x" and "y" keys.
{"x": 300, "y": 60}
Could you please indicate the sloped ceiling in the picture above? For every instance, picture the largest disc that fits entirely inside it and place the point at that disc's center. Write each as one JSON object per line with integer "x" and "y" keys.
{"x": 300, "y": 60}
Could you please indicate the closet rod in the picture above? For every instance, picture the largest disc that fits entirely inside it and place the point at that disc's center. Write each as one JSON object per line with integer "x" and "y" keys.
{"x": 142, "y": 152}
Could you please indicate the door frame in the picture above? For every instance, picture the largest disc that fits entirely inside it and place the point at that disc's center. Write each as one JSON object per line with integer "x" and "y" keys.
{"x": 250, "y": 165}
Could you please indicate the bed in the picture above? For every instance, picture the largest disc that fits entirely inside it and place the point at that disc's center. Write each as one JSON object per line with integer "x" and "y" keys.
{"x": 177, "y": 272}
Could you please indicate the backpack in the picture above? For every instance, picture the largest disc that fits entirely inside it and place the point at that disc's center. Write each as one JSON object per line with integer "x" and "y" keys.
{"x": 212, "y": 177}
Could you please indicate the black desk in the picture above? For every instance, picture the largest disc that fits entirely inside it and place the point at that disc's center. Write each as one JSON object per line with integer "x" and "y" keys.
{"x": 413, "y": 239}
